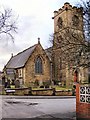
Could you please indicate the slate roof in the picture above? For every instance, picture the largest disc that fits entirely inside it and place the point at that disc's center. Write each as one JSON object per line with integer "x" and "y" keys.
{"x": 20, "y": 59}
{"x": 49, "y": 53}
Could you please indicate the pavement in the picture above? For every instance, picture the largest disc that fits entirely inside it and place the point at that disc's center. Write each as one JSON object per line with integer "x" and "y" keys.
{"x": 37, "y": 97}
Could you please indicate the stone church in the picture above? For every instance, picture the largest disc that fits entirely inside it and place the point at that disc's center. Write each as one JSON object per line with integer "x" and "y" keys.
{"x": 36, "y": 65}
{"x": 29, "y": 67}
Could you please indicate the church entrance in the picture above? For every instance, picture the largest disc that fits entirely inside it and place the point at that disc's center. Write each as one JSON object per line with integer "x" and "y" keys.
{"x": 76, "y": 76}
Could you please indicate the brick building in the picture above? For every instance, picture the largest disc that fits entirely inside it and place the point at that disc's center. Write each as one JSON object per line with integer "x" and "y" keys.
{"x": 83, "y": 102}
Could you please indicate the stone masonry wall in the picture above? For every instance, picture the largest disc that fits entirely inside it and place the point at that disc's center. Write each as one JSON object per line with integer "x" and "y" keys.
{"x": 30, "y": 75}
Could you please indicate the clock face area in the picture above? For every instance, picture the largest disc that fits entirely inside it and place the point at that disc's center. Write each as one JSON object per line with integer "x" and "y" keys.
{"x": 59, "y": 22}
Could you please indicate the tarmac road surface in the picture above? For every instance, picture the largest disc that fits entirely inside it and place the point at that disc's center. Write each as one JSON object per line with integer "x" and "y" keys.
{"x": 38, "y": 107}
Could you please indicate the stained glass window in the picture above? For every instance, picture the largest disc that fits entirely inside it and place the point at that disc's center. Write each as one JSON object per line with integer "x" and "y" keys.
{"x": 38, "y": 65}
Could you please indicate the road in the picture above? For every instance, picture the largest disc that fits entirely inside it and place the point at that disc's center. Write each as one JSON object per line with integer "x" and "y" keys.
{"x": 25, "y": 107}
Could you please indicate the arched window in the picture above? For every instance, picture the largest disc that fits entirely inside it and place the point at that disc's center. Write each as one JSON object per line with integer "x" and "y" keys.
{"x": 59, "y": 22}
{"x": 75, "y": 20}
{"x": 38, "y": 65}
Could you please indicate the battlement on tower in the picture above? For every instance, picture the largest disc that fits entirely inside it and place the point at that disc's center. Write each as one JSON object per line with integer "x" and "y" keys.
{"x": 67, "y": 6}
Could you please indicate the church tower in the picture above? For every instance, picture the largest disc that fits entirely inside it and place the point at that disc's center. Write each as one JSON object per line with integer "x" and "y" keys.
{"x": 67, "y": 17}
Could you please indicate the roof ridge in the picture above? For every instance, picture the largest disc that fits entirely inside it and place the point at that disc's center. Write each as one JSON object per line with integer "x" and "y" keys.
{"x": 18, "y": 60}
{"x": 25, "y": 50}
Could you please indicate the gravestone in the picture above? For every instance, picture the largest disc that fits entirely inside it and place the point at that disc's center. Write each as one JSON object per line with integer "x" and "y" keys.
{"x": 17, "y": 84}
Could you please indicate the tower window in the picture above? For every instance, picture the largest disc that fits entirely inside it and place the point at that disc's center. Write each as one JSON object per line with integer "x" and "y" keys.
{"x": 38, "y": 65}
{"x": 75, "y": 20}
{"x": 59, "y": 22}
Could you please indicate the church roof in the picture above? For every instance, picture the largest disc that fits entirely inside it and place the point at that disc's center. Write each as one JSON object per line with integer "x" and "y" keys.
{"x": 49, "y": 52}
{"x": 21, "y": 58}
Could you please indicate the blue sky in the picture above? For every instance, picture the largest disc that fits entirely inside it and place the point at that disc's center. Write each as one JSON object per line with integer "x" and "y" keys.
{"x": 34, "y": 20}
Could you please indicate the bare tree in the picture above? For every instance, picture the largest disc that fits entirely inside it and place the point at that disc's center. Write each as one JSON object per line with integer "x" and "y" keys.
{"x": 74, "y": 48}
{"x": 86, "y": 12}
{"x": 7, "y": 23}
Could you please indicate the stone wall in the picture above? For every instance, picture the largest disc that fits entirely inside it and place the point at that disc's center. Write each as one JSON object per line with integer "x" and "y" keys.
{"x": 43, "y": 92}
{"x": 63, "y": 93}
{"x": 17, "y": 91}
{"x": 38, "y": 92}
{"x": 0, "y": 89}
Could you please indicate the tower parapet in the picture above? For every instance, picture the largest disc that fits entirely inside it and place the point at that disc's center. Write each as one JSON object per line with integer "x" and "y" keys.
{"x": 67, "y": 6}
{"x": 68, "y": 16}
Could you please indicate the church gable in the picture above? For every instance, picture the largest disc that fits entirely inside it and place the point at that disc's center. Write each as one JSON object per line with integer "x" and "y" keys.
{"x": 38, "y": 66}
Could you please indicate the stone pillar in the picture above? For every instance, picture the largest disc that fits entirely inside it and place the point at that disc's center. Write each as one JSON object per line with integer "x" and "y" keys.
{"x": 82, "y": 102}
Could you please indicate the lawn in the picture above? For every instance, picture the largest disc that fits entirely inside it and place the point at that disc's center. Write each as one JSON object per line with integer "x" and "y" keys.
{"x": 61, "y": 88}
{"x": 54, "y": 86}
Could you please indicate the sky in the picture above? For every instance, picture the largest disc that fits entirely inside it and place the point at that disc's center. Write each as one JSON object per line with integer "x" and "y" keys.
{"x": 33, "y": 19}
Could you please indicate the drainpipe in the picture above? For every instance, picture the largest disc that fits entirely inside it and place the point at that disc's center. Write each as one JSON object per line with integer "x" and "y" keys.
{"x": 51, "y": 73}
